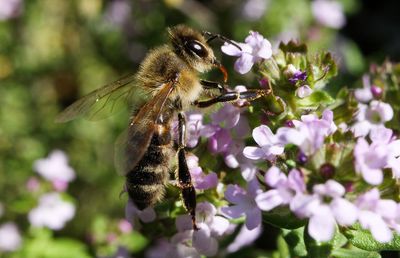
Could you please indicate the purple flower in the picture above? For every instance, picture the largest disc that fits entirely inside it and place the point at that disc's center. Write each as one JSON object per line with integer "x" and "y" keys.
{"x": 254, "y": 9}
{"x": 122, "y": 252}
{"x": 328, "y": 13}
{"x": 370, "y": 116}
{"x": 226, "y": 117}
{"x": 394, "y": 159}
{"x": 194, "y": 127}
{"x": 323, "y": 214}
{"x": 255, "y": 48}
{"x": 181, "y": 246}
{"x": 118, "y": 12}
{"x": 303, "y": 91}
{"x": 55, "y": 168}
{"x": 201, "y": 180}
{"x": 370, "y": 159}
{"x": 10, "y": 9}
{"x": 218, "y": 131}
{"x": 376, "y": 215}
{"x": 220, "y": 141}
{"x": 245, "y": 237}
{"x": 10, "y": 238}
{"x": 365, "y": 94}
{"x": 247, "y": 168}
{"x": 309, "y": 133}
{"x": 125, "y": 226}
{"x": 383, "y": 152}
{"x": 295, "y": 74}
{"x": 244, "y": 203}
{"x": 53, "y": 212}
{"x": 211, "y": 227}
{"x": 226, "y": 132}
{"x": 132, "y": 213}
{"x": 284, "y": 188}
{"x": 269, "y": 145}
{"x": 32, "y": 184}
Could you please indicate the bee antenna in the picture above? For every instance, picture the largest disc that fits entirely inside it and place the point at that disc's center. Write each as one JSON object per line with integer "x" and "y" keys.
{"x": 213, "y": 36}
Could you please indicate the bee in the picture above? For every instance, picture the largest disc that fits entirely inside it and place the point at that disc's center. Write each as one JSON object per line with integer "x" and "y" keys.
{"x": 169, "y": 75}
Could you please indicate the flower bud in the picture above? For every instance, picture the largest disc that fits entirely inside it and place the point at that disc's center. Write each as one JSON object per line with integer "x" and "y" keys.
{"x": 327, "y": 170}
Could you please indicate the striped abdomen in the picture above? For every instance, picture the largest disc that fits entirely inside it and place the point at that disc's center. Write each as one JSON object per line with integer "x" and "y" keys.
{"x": 145, "y": 183}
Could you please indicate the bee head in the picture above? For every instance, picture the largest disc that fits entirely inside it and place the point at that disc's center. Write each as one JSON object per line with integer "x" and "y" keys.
{"x": 191, "y": 46}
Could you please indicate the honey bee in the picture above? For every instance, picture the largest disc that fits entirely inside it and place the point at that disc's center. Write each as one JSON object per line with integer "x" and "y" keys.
{"x": 169, "y": 75}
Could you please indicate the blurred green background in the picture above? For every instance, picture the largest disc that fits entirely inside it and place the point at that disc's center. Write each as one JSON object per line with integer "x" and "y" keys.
{"x": 52, "y": 52}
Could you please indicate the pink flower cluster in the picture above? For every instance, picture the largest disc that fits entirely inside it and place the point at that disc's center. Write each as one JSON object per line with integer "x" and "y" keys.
{"x": 326, "y": 204}
{"x": 52, "y": 211}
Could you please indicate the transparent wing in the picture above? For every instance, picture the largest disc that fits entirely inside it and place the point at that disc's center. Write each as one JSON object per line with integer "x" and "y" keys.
{"x": 132, "y": 144}
{"x": 102, "y": 102}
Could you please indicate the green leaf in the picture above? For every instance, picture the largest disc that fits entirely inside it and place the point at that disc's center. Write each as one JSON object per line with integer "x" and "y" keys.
{"x": 339, "y": 240}
{"x": 283, "y": 249}
{"x": 282, "y": 217}
{"x": 363, "y": 239}
{"x": 43, "y": 245}
{"x": 294, "y": 239}
{"x": 352, "y": 253}
{"x": 353, "y": 57}
{"x": 293, "y": 47}
{"x": 134, "y": 242}
{"x": 315, "y": 248}
{"x": 316, "y": 99}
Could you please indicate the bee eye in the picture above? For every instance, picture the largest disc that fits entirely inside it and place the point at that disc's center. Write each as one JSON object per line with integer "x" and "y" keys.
{"x": 197, "y": 48}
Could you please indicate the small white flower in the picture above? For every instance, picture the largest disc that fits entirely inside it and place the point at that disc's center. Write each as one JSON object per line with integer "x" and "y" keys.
{"x": 10, "y": 9}
{"x": 303, "y": 91}
{"x": 10, "y": 238}
{"x": 328, "y": 13}
{"x": 370, "y": 116}
{"x": 53, "y": 212}
{"x": 55, "y": 169}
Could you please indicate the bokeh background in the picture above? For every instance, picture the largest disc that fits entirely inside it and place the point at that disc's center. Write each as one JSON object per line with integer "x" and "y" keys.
{"x": 53, "y": 52}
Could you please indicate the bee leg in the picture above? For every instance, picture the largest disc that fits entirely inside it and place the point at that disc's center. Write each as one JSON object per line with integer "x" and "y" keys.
{"x": 213, "y": 36}
{"x": 213, "y": 85}
{"x": 184, "y": 178}
{"x": 233, "y": 96}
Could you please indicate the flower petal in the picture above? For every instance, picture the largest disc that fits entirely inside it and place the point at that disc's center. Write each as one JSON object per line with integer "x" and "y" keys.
{"x": 269, "y": 200}
{"x": 245, "y": 237}
{"x": 344, "y": 211}
{"x": 254, "y": 153}
{"x": 274, "y": 176}
{"x": 183, "y": 222}
{"x": 147, "y": 215}
{"x": 321, "y": 226}
{"x": 253, "y": 218}
{"x": 244, "y": 63}
{"x": 263, "y": 135}
{"x": 219, "y": 226}
{"x": 265, "y": 49}
{"x": 303, "y": 91}
{"x": 234, "y": 212}
{"x": 235, "y": 194}
{"x": 231, "y": 50}
{"x": 276, "y": 149}
{"x": 203, "y": 242}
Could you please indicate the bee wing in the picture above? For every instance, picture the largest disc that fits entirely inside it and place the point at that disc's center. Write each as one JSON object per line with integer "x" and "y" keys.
{"x": 101, "y": 102}
{"x": 131, "y": 146}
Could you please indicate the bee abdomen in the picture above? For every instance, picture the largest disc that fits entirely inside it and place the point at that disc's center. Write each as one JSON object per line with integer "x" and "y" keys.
{"x": 145, "y": 183}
